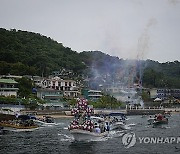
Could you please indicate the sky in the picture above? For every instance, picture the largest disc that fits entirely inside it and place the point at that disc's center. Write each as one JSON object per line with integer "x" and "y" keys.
{"x": 128, "y": 29}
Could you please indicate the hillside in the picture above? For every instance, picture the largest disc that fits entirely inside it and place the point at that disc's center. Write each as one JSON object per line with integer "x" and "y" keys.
{"x": 27, "y": 53}
{"x": 105, "y": 69}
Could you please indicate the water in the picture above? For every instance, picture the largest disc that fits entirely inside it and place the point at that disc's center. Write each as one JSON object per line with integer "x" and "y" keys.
{"x": 58, "y": 140}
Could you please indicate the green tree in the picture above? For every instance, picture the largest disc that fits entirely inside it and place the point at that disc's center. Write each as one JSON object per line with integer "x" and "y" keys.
{"x": 25, "y": 87}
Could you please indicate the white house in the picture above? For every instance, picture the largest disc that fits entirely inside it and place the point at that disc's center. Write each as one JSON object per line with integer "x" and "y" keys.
{"x": 68, "y": 87}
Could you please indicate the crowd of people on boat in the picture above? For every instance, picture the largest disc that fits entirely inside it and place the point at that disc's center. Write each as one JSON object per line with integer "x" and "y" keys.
{"x": 82, "y": 113}
{"x": 160, "y": 117}
{"x": 46, "y": 119}
{"x": 17, "y": 122}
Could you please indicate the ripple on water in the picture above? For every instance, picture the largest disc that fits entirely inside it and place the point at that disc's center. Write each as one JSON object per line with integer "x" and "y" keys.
{"x": 58, "y": 139}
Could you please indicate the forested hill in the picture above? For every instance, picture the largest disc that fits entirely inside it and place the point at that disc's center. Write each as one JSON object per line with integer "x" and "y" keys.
{"x": 153, "y": 73}
{"x": 27, "y": 53}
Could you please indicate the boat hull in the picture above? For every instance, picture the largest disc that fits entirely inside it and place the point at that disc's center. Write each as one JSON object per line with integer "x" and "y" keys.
{"x": 41, "y": 123}
{"x": 155, "y": 123}
{"x": 18, "y": 127}
{"x": 83, "y": 135}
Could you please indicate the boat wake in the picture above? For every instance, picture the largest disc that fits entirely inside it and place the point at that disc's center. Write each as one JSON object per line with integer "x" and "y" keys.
{"x": 110, "y": 135}
{"x": 115, "y": 134}
{"x": 128, "y": 126}
{"x": 66, "y": 138}
{"x": 23, "y": 130}
{"x": 133, "y": 124}
{"x": 60, "y": 123}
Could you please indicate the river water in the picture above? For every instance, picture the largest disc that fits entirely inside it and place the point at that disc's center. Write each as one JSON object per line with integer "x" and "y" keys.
{"x": 57, "y": 139}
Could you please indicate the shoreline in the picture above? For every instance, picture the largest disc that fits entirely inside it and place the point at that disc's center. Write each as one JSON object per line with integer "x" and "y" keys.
{"x": 55, "y": 116}
{"x": 67, "y": 113}
{"x": 70, "y": 116}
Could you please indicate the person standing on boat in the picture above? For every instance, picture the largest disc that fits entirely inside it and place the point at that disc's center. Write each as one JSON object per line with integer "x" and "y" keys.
{"x": 97, "y": 129}
{"x": 101, "y": 126}
{"x": 106, "y": 126}
{"x": 159, "y": 117}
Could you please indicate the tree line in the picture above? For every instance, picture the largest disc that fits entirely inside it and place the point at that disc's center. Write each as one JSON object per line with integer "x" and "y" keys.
{"x": 28, "y": 53}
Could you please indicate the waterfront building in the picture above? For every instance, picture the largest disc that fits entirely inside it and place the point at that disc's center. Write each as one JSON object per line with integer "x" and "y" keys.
{"x": 8, "y": 87}
{"x": 92, "y": 94}
{"x": 168, "y": 93}
{"x": 13, "y": 77}
{"x": 67, "y": 87}
{"x": 52, "y": 97}
{"x": 164, "y": 93}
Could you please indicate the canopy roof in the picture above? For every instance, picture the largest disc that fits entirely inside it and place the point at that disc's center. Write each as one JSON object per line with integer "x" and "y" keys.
{"x": 157, "y": 99}
{"x": 10, "y": 81}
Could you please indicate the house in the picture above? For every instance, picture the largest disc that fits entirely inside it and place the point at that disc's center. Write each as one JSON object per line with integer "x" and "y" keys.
{"x": 68, "y": 87}
{"x": 164, "y": 93}
{"x": 94, "y": 94}
{"x": 167, "y": 93}
{"x": 52, "y": 97}
{"x": 8, "y": 87}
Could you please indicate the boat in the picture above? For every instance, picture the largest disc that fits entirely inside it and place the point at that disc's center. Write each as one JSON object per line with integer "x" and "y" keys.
{"x": 45, "y": 121}
{"x": 160, "y": 122}
{"x": 118, "y": 125}
{"x": 159, "y": 119}
{"x": 19, "y": 122}
{"x": 117, "y": 121}
{"x": 85, "y": 126}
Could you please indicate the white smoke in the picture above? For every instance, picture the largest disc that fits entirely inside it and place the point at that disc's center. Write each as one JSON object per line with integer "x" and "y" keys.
{"x": 144, "y": 39}
{"x": 174, "y": 2}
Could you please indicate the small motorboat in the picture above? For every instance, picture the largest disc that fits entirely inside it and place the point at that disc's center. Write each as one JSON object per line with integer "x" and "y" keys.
{"x": 118, "y": 125}
{"x": 160, "y": 122}
{"x": 160, "y": 119}
{"x": 117, "y": 121}
{"x": 45, "y": 121}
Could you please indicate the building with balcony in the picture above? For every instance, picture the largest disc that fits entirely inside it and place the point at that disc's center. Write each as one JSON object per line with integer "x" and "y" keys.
{"x": 168, "y": 93}
{"x": 8, "y": 87}
{"x": 94, "y": 94}
{"x": 52, "y": 97}
{"x": 67, "y": 87}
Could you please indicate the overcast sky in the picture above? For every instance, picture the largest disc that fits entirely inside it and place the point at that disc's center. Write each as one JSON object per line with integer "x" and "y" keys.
{"x": 144, "y": 29}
